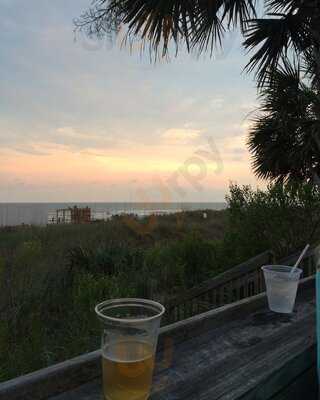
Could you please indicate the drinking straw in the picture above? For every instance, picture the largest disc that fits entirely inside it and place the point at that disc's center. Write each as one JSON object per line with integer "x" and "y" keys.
{"x": 299, "y": 259}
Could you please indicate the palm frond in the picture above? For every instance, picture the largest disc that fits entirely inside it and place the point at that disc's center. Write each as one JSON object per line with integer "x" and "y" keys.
{"x": 198, "y": 24}
{"x": 209, "y": 29}
{"x": 311, "y": 66}
{"x": 282, "y": 6}
{"x": 273, "y": 37}
{"x": 285, "y": 137}
{"x": 239, "y": 12}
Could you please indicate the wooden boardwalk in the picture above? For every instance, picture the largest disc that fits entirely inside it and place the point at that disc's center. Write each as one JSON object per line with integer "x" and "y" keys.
{"x": 239, "y": 351}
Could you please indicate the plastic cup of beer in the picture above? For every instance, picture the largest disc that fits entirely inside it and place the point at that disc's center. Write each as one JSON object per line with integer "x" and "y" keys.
{"x": 282, "y": 284}
{"x": 129, "y": 341}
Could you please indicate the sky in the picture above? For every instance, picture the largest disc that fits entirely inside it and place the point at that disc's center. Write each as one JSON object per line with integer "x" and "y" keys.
{"x": 82, "y": 120}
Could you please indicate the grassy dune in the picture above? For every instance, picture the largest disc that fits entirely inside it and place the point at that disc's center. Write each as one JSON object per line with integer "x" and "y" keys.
{"x": 51, "y": 278}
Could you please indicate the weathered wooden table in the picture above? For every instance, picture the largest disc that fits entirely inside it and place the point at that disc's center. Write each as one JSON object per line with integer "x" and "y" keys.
{"x": 240, "y": 351}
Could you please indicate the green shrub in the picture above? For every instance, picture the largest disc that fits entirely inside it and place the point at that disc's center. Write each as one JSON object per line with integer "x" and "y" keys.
{"x": 282, "y": 218}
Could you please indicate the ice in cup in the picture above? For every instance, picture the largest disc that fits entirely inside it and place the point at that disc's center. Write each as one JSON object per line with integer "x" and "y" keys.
{"x": 282, "y": 284}
{"x": 129, "y": 341}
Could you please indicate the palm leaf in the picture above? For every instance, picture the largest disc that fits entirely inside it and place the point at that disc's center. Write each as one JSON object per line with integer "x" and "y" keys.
{"x": 289, "y": 24}
{"x": 199, "y": 24}
{"x": 273, "y": 37}
{"x": 285, "y": 137}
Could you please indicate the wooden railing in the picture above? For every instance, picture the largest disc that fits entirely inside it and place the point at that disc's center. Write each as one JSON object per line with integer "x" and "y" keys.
{"x": 284, "y": 368}
{"x": 242, "y": 281}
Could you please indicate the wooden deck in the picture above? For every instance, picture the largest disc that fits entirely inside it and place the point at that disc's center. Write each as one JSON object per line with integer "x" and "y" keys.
{"x": 239, "y": 351}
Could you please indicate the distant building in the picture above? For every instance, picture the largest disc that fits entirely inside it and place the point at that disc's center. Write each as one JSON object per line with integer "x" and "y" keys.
{"x": 70, "y": 215}
{"x": 80, "y": 215}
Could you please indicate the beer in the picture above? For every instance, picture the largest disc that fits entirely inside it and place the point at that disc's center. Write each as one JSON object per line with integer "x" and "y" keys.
{"x": 127, "y": 370}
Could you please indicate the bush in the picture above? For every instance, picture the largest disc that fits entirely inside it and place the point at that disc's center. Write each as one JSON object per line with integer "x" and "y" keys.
{"x": 282, "y": 218}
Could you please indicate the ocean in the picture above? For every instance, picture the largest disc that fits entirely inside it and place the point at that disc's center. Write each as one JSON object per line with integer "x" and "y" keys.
{"x": 12, "y": 214}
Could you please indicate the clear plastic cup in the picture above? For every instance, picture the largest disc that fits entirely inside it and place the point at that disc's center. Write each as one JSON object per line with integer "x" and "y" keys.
{"x": 281, "y": 287}
{"x": 130, "y": 329}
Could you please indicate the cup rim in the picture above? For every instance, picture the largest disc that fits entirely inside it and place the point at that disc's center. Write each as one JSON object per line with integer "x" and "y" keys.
{"x": 98, "y": 308}
{"x": 286, "y": 269}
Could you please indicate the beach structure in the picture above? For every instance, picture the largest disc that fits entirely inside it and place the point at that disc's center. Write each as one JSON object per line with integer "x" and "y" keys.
{"x": 70, "y": 215}
{"x": 78, "y": 215}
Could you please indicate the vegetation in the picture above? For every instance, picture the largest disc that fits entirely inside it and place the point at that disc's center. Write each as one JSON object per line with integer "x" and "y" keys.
{"x": 285, "y": 137}
{"x": 282, "y": 218}
{"x": 199, "y": 25}
{"x": 52, "y": 277}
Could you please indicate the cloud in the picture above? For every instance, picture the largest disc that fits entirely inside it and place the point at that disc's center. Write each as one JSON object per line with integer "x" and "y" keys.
{"x": 249, "y": 107}
{"x": 30, "y": 150}
{"x": 180, "y": 135}
{"x": 69, "y": 131}
{"x": 75, "y": 136}
{"x": 85, "y": 141}
{"x": 234, "y": 149}
{"x": 238, "y": 150}
{"x": 216, "y": 103}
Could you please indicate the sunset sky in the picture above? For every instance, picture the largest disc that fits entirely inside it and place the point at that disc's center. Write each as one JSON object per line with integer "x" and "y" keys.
{"x": 88, "y": 121}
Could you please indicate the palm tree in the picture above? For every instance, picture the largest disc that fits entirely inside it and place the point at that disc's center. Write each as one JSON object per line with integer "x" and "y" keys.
{"x": 287, "y": 26}
{"x": 285, "y": 137}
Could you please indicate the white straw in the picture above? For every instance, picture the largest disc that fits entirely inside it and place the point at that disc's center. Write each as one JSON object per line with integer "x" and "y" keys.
{"x": 300, "y": 258}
